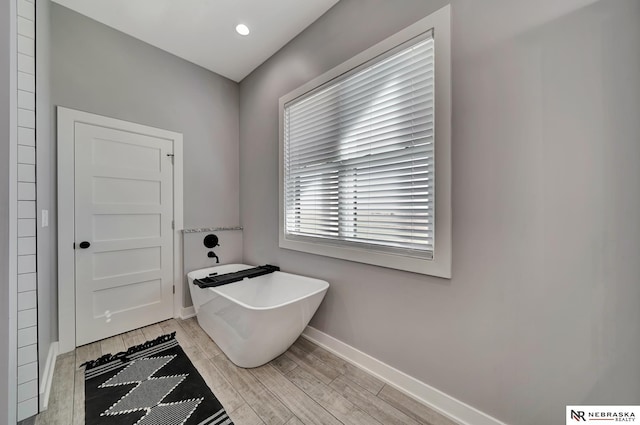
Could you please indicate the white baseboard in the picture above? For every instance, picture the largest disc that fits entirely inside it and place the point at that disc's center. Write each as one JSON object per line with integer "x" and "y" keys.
{"x": 454, "y": 409}
{"x": 187, "y": 312}
{"x": 45, "y": 385}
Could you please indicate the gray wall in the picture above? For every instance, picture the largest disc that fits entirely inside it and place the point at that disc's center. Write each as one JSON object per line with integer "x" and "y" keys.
{"x": 542, "y": 310}
{"x": 100, "y": 70}
{"x": 229, "y": 250}
{"x": 195, "y": 254}
{"x": 4, "y": 207}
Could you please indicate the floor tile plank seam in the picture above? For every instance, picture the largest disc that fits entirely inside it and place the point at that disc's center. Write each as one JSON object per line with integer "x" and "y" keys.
{"x": 371, "y": 404}
{"x": 330, "y": 384}
{"x": 355, "y": 386}
{"x": 380, "y": 390}
{"x": 213, "y": 365}
{"x": 284, "y": 401}
{"x": 230, "y": 413}
{"x": 328, "y": 411}
{"x": 194, "y": 338}
{"x": 191, "y": 336}
{"x": 268, "y": 390}
{"x": 331, "y": 389}
{"x": 309, "y": 348}
{"x": 346, "y": 374}
{"x": 185, "y": 331}
{"x": 305, "y": 345}
{"x": 313, "y": 363}
{"x": 352, "y": 371}
{"x": 280, "y": 399}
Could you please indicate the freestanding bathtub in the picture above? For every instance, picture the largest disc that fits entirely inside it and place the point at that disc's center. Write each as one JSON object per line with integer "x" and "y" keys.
{"x": 255, "y": 320}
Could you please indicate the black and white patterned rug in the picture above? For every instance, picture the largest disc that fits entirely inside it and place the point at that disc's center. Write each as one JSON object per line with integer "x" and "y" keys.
{"x": 154, "y": 383}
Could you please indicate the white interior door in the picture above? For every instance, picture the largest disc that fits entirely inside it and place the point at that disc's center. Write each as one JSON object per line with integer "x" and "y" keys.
{"x": 123, "y": 231}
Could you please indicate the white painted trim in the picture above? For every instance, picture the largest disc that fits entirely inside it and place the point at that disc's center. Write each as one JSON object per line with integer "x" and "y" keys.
{"x": 47, "y": 379}
{"x": 178, "y": 219}
{"x": 66, "y": 225}
{"x": 187, "y": 312}
{"x": 440, "y": 22}
{"x": 11, "y": 414}
{"x": 453, "y": 408}
{"x": 66, "y": 120}
{"x": 44, "y": 195}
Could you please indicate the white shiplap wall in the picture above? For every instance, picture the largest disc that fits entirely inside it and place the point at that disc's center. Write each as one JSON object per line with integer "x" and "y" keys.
{"x": 27, "y": 391}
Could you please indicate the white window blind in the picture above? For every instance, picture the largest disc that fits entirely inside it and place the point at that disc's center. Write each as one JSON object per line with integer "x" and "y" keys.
{"x": 359, "y": 156}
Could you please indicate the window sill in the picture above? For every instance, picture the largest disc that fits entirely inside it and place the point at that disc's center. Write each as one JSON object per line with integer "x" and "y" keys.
{"x": 435, "y": 267}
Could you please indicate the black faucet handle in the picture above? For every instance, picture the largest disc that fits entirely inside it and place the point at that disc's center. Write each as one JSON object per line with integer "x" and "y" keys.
{"x": 211, "y": 241}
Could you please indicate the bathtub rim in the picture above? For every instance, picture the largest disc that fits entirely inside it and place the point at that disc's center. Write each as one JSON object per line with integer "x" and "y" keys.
{"x": 191, "y": 278}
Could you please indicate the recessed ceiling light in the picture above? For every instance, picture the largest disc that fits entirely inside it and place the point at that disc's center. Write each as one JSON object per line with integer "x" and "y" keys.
{"x": 242, "y": 29}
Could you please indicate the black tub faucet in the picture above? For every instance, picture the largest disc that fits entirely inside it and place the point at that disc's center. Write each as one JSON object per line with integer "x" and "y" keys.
{"x": 212, "y": 254}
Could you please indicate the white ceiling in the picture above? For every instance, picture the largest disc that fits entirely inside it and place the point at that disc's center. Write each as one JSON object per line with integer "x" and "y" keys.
{"x": 203, "y": 31}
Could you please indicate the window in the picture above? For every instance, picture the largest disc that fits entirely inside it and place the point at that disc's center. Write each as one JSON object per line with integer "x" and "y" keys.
{"x": 363, "y": 152}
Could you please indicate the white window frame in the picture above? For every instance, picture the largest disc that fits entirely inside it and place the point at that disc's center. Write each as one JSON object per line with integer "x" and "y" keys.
{"x": 440, "y": 265}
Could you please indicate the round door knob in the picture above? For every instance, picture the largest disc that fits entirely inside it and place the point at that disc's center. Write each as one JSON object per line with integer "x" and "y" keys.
{"x": 85, "y": 245}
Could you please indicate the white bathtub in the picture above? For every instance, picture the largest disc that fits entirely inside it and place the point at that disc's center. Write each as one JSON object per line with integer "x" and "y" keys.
{"x": 255, "y": 320}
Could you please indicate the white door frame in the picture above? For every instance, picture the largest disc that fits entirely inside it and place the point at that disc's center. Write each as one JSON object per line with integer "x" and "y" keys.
{"x": 66, "y": 213}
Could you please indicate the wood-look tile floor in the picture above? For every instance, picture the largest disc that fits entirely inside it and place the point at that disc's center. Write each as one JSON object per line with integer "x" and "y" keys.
{"x": 305, "y": 385}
